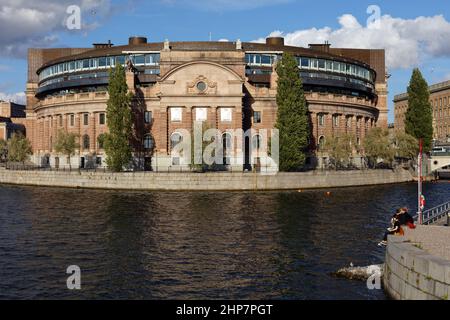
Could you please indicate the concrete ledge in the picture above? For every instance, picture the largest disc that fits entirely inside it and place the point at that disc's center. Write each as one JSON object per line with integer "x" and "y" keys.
{"x": 412, "y": 273}
{"x": 220, "y": 181}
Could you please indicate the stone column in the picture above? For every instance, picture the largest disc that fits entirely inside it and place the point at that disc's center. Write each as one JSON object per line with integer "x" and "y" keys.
{"x": 92, "y": 132}
{"x": 78, "y": 129}
{"x": 213, "y": 117}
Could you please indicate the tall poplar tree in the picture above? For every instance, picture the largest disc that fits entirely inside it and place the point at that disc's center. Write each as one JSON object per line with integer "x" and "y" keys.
{"x": 119, "y": 120}
{"x": 292, "y": 117}
{"x": 419, "y": 116}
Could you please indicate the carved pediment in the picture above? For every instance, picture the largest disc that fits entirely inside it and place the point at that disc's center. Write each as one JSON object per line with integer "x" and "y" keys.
{"x": 202, "y": 86}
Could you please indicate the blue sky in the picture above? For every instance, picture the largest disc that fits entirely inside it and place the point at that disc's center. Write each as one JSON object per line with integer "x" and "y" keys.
{"x": 415, "y": 34}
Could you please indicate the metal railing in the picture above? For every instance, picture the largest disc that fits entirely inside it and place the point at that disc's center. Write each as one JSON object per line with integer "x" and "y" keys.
{"x": 435, "y": 214}
{"x": 153, "y": 169}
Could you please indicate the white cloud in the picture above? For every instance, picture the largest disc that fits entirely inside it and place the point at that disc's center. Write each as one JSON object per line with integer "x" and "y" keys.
{"x": 407, "y": 41}
{"x": 25, "y": 23}
{"x": 226, "y": 5}
{"x": 18, "y": 97}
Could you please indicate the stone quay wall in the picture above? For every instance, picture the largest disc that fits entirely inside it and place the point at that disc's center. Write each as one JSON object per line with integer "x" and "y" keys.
{"x": 417, "y": 265}
{"x": 204, "y": 181}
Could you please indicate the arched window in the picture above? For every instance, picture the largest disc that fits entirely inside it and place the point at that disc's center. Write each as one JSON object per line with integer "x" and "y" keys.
{"x": 227, "y": 147}
{"x": 148, "y": 142}
{"x": 321, "y": 143}
{"x": 86, "y": 142}
{"x": 175, "y": 139}
{"x": 256, "y": 142}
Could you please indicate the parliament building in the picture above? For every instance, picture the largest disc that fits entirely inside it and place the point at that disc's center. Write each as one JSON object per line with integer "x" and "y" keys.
{"x": 228, "y": 85}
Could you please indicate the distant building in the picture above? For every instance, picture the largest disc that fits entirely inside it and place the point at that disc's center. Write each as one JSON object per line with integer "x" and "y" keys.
{"x": 440, "y": 102}
{"x": 11, "y": 118}
{"x": 229, "y": 85}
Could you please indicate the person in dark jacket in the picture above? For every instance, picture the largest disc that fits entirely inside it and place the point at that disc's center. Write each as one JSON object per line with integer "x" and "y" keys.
{"x": 406, "y": 219}
{"x": 394, "y": 229}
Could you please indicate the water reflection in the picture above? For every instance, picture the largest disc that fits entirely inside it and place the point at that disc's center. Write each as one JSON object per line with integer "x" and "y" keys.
{"x": 180, "y": 245}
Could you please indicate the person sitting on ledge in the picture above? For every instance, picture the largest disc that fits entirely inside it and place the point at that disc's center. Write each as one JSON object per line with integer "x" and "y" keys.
{"x": 406, "y": 219}
{"x": 394, "y": 229}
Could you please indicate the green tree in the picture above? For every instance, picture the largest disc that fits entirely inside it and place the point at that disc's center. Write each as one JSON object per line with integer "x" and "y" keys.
{"x": 200, "y": 166}
{"x": 66, "y": 143}
{"x": 3, "y": 150}
{"x": 406, "y": 146}
{"x": 340, "y": 149}
{"x": 118, "y": 112}
{"x": 292, "y": 117}
{"x": 377, "y": 145}
{"x": 419, "y": 117}
{"x": 19, "y": 148}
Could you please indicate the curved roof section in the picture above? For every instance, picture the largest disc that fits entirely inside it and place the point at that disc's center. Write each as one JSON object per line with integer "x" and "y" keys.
{"x": 203, "y": 46}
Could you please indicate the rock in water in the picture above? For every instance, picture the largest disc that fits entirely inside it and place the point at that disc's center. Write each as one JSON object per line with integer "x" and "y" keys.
{"x": 359, "y": 273}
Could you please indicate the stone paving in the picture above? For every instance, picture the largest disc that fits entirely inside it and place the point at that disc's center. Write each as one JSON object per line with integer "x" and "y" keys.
{"x": 433, "y": 239}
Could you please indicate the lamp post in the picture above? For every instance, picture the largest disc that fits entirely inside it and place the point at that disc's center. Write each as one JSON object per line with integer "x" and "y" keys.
{"x": 419, "y": 183}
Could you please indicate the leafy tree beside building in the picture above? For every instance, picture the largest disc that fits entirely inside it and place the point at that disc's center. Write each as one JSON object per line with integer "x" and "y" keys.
{"x": 419, "y": 116}
{"x": 66, "y": 143}
{"x": 378, "y": 145}
{"x": 406, "y": 146}
{"x": 292, "y": 118}
{"x": 340, "y": 150}
{"x": 19, "y": 148}
{"x": 118, "y": 112}
{"x": 3, "y": 150}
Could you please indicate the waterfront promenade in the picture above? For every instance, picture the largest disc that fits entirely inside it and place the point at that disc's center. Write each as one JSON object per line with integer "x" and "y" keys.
{"x": 217, "y": 181}
{"x": 418, "y": 264}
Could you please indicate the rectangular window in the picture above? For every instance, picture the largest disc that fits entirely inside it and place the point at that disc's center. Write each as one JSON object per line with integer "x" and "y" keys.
{"x": 225, "y": 114}
{"x": 336, "y": 121}
{"x": 102, "y": 62}
{"x": 85, "y": 119}
{"x": 266, "y": 59}
{"x": 349, "y": 122}
{"x": 329, "y": 65}
{"x": 304, "y": 62}
{"x": 321, "y": 120}
{"x": 148, "y": 117}
{"x": 86, "y": 64}
{"x": 336, "y": 66}
{"x": 176, "y": 114}
{"x": 102, "y": 118}
{"x": 321, "y": 64}
{"x": 257, "y": 117}
{"x": 60, "y": 121}
{"x": 72, "y": 120}
{"x": 201, "y": 114}
{"x": 139, "y": 60}
{"x": 120, "y": 60}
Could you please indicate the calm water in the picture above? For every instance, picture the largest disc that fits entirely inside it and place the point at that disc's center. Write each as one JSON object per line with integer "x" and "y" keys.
{"x": 181, "y": 245}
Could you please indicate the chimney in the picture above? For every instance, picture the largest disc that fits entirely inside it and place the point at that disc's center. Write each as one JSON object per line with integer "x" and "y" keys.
{"x": 275, "y": 41}
{"x": 135, "y": 41}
